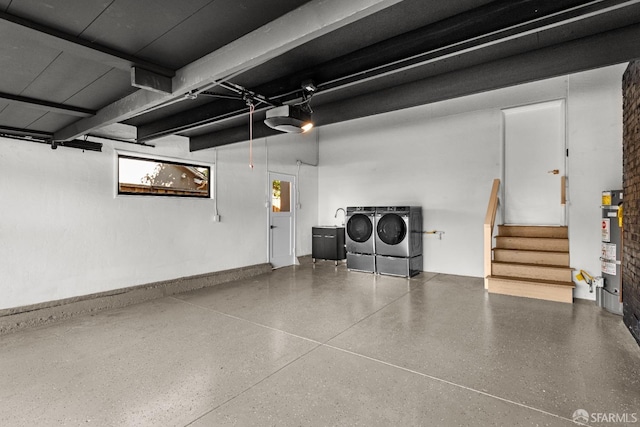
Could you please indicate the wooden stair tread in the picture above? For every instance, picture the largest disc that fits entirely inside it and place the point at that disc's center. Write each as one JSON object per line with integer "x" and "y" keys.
{"x": 534, "y": 231}
{"x": 531, "y": 250}
{"x": 535, "y": 227}
{"x": 532, "y": 262}
{"x": 533, "y": 243}
{"x": 527, "y": 264}
{"x": 532, "y": 226}
{"x": 532, "y": 238}
{"x": 534, "y": 281}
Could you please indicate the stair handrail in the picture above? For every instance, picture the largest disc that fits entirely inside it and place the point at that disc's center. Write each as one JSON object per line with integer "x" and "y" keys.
{"x": 489, "y": 224}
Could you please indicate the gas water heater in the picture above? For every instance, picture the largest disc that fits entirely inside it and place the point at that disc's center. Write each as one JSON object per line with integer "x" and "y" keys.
{"x": 609, "y": 295}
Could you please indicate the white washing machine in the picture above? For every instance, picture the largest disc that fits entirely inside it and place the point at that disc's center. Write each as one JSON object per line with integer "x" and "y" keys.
{"x": 360, "y": 238}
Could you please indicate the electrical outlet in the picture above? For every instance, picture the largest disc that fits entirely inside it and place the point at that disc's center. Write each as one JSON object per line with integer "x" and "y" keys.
{"x": 216, "y": 218}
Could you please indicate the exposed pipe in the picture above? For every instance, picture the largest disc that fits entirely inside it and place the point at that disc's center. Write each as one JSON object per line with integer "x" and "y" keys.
{"x": 436, "y": 232}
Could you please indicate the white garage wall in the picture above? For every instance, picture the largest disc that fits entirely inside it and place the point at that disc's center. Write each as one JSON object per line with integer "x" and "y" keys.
{"x": 444, "y": 157}
{"x": 595, "y": 161}
{"x": 439, "y": 164}
{"x": 64, "y": 234}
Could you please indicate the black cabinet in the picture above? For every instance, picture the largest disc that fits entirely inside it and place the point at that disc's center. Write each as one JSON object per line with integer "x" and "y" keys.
{"x": 328, "y": 243}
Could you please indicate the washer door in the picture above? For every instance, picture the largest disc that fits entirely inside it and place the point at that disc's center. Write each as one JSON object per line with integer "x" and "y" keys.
{"x": 359, "y": 228}
{"x": 391, "y": 229}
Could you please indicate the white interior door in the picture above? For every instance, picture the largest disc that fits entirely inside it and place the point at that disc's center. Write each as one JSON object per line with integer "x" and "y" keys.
{"x": 534, "y": 164}
{"x": 282, "y": 220}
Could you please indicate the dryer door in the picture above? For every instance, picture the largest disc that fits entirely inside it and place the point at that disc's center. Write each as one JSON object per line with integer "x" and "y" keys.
{"x": 391, "y": 236}
{"x": 359, "y": 231}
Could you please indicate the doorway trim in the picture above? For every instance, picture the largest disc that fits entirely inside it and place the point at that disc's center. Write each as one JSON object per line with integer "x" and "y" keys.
{"x": 563, "y": 179}
{"x": 271, "y": 176}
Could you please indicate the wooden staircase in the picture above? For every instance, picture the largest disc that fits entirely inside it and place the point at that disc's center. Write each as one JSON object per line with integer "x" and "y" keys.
{"x": 532, "y": 262}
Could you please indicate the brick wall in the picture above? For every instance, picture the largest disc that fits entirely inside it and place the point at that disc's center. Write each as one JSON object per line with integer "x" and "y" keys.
{"x": 631, "y": 180}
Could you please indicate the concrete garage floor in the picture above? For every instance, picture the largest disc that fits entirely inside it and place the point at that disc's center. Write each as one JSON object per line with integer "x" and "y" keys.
{"x": 318, "y": 345}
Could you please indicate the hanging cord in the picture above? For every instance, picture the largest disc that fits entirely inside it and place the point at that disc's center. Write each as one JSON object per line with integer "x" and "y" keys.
{"x": 251, "y": 110}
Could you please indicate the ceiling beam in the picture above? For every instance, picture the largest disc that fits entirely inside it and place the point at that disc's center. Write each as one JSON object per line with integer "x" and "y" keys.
{"x": 591, "y": 52}
{"x": 604, "y": 49}
{"x": 38, "y": 104}
{"x": 494, "y": 21}
{"x": 192, "y": 119}
{"x": 77, "y": 46}
{"x": 145, "y": 79}
{"x": 498, "y": 22}
{"x": 308, "y": 22}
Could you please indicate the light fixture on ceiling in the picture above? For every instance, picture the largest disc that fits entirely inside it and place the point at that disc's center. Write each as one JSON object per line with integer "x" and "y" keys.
{"x": 307, "y": 127}
{"x": 295, "y": 118}
{"x": 289, "y": 118}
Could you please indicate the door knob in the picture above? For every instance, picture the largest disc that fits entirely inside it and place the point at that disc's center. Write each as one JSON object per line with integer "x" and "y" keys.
{"x": 273, "y": 226}
{"x": 555, "y": 171}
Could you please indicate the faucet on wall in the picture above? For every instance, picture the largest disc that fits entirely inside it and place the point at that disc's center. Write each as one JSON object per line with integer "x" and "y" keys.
{"x": 343, "y": 212}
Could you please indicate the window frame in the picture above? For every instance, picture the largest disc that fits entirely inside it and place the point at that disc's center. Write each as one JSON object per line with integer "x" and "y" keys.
{"x": 161, "y": 159}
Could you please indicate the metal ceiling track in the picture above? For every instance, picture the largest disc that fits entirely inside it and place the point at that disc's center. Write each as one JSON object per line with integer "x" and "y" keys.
{"x": 248, "y": 94}
{"x": 338, "y": 79}
{"x": 555, "y": 20}
{"x": 221, "y": 114}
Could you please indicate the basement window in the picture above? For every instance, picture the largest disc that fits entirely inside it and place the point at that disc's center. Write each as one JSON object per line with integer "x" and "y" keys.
{"x": 156, "y": 177}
